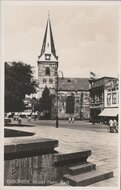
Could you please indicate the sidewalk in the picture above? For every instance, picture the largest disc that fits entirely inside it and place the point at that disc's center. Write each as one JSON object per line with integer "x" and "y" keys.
{"x": 104, "y": 145}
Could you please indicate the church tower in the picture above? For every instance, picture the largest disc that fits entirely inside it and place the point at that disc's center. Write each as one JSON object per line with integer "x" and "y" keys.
{"x": 47, "y": 62}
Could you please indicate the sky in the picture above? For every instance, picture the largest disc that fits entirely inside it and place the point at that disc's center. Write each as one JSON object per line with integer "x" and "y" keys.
{"x": 85, "y": 36}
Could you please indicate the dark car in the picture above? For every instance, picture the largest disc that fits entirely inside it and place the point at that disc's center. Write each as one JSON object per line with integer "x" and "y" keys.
{"x": 7, "y": 121}
{"x": 10, "y": 114}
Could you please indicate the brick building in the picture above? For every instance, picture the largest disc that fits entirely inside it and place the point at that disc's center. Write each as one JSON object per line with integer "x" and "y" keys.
{"x": 71, "y": 94}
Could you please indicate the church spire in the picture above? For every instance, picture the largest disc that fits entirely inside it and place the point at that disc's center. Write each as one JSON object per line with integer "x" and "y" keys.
{"x": 48, "y": 14}
{"x": 48, "y": 47}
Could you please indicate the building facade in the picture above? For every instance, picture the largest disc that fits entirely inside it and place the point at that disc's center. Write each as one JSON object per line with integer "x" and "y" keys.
{"x": 71, "y": 94}
{"x": 111, "y": 94}
{"x": 111, "y": 101}
{"x": 97, "y": 97}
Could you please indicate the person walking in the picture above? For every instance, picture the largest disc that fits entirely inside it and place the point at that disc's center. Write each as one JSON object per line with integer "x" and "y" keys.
{"x": 35, "y": 117}
{"x": 69, "y": 119}
{"x": 72, "y": 119}
{"x": 19, "y": 120}
{"x": 29, "y": 118}
{"x": 115, "y": 125}
{"x": 111, "y": 126}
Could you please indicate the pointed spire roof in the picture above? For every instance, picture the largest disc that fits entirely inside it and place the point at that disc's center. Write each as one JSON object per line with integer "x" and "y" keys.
{"x": 48, "y": 46}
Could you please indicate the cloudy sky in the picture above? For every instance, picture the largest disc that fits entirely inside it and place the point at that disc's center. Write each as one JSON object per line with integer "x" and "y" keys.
{"x": 85, "y": 36}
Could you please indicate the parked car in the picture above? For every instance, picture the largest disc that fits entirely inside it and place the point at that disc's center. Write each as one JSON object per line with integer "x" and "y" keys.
{"x": 16, "y": 113}
{"x": 10, "y": 114}
{"x": 15, "y": 118}
{"x": 44, "y": 116}
{"x": 7, "y": 121}
{"x": 25, "y": 114}
{"x": 34, "y": 114}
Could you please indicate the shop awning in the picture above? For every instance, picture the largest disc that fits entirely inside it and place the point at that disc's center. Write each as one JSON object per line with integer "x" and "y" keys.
{"x": 109, "y": 112}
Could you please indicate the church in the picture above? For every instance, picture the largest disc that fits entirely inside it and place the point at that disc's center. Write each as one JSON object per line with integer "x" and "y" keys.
{"x": 71, "y": 94}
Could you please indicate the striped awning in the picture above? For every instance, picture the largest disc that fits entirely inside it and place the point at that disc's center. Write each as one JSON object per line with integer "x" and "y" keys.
{"x": 109, "y": 112}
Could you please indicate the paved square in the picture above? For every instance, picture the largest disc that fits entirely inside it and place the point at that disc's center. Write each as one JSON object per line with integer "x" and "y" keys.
{"x": 81, "y": 135}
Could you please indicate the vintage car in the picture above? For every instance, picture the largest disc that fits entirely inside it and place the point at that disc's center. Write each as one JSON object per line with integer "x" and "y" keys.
{"x": 7, "y": 121}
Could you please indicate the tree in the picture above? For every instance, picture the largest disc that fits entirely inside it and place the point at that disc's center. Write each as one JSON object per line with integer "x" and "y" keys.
{"x": 19, "y": 81}
{"x": 45, "y": 103}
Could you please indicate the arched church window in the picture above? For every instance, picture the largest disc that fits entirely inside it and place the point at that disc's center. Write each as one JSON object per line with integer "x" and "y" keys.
{"x": 47, "y": 72}
{"x": 50, "y": 81}
{"x": 44, "y": 80}
{"x": 70, "y": 104}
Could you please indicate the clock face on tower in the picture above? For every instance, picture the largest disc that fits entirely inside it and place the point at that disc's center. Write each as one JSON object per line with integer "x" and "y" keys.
{"x": 47, "y": 56}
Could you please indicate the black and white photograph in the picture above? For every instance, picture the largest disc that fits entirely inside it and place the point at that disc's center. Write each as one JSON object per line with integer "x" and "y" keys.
{"x": 60, "y": 94}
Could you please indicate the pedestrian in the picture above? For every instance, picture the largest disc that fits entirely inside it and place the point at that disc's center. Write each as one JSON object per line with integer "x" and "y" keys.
{"x": 72, "y": 119}
{"x": 14, "y": 117}
{"x": 29, "y": 118}
{"x": 111, "y": 126}
{"x": 19, "y": 120}
{"x": 69, "y": 119}
{"x": 35, "y": 117}
{"x": 115, "y": 125}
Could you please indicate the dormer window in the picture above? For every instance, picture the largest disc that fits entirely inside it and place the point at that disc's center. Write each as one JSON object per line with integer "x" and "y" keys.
{"x": 47, "y": 71}
{"x": 47, "y": 56}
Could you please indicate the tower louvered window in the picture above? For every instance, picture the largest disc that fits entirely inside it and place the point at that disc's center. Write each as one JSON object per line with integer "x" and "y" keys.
{"x": 50, "y": 81}
{"x": 47, "y": 72}
{"x": 44, "y": 80}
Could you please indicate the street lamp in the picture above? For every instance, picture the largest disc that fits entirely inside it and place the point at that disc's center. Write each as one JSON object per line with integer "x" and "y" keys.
{"x": 57, "y": 122}
{"x": 57, "y": 104}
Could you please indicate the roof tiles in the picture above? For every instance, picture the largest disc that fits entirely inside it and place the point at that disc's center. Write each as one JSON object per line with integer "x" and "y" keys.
{"x": 73, "y": 84}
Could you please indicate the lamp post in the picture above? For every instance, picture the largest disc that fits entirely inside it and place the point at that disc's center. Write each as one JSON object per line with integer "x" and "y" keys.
{"x": 57, "y": 121}
{"x": 57, "y": 124}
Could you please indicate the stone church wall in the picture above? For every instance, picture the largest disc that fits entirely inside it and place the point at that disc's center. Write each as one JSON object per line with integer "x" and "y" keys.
{"x": 81, "y": 105}
{"x": 42, "y": 75}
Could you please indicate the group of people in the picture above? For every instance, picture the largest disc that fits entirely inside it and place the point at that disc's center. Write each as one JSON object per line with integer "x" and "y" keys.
{"x": 71, "y": 119}
{"x": 19, "y": 118}
{"x": 30, "y": 117}
{"x": 113, "y": 125}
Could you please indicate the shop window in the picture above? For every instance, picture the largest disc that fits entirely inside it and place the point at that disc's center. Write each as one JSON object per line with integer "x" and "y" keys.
{"x": 117, "y": 97}
{"x": 82, "y": 95}
{"x": 108, "y": 99}
{"x": 47, "y": 72}
{"x": 70, "y": 105}
{"x": 114, "y": 98}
